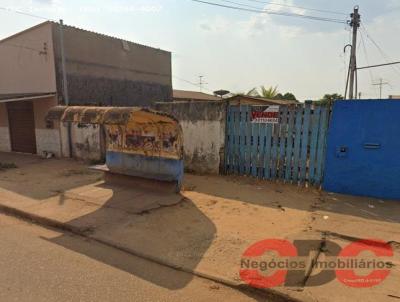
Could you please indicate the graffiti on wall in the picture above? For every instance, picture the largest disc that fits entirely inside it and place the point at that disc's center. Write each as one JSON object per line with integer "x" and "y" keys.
{"x": 150, "y": 139}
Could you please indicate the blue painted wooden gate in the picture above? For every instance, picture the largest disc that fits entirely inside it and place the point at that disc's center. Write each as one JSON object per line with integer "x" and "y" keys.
{"x": 363, "y": 155}
{"x": 292, "y": 151}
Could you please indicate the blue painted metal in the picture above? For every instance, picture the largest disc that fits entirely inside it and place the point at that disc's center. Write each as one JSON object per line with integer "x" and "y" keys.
{"x": 157, "y": 168}
{"x": 363, "y": 149}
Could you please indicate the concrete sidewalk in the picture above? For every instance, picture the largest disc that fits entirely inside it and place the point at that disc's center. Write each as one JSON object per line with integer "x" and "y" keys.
{"x": 205, "y": 229}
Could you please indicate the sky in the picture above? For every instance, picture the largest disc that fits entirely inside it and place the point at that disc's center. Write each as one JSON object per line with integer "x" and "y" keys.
{"x": 237, "y": 50}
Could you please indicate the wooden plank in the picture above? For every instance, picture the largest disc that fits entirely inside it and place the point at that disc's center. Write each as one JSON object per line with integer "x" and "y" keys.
{"x": 313, "y": 145}
{"x": 290, "y": 143}
{"x": 242, "y": 140}
{"x": 255, "y": 129}
{"x": 321, "y": 145}
{"x": 233, "y": 138}
{"x": 305, "y": 142}
{"x": 228, "y": 139}
{"x": 282, "y": 142}
{"x": 297, "y": 142}
{"x": 267, "y": 152}
{"x": 261, "y": 151}
{"x": 274, "y": 156}
{"x": 237, "y": 140}
{"x": 248, "y": 142}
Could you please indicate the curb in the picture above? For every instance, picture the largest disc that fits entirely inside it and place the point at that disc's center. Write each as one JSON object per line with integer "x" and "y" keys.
{"x": 270, "y": 294}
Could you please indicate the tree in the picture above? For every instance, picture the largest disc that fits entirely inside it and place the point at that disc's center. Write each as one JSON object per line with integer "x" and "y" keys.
{"x": 270, "y": 93}
{"x": 288, "y": 96}
{"x": 329, "y": 98}
{"x": 252, "y": 92}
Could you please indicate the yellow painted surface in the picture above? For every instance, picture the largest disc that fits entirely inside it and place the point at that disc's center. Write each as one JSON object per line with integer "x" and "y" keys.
{"x": 147, "y": 134}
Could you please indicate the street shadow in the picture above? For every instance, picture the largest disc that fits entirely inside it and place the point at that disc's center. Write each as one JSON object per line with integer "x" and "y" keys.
{"x": 160, "y": 227}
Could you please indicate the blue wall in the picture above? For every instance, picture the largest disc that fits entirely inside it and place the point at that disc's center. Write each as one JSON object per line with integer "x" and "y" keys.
{"x": 157, "y": 168}
{"x": 363, "y": 151}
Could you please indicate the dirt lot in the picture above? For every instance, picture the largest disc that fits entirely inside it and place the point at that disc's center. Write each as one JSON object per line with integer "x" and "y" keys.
{"x": 207, "y": 227}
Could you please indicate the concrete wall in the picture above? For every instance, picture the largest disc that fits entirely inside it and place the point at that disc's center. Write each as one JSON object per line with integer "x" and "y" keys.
{"x": 5, "y": 143}
{"x": 108, "y": 71}
{"x": 86, "y": 141}
{"x": 203, "y": 125}
{"x": 47, "y": 138}
{"x": 24, "y": 67}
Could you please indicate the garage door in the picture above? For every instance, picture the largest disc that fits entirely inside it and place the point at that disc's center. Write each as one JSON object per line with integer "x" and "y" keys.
{"x": 22, "y": 126}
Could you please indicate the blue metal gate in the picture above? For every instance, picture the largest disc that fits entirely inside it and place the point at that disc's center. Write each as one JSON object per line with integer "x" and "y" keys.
{"x": 363, "y": 155}
{"x": 292, "y": 150}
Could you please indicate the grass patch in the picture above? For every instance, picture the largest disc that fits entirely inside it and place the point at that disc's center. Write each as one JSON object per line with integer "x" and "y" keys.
{"x": 7, "y": 166}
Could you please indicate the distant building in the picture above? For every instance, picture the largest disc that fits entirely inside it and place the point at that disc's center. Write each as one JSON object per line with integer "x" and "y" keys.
{"x": 195, "y": 96}
{"x": 250, "y": 100}
{"x": 100, "y": 70}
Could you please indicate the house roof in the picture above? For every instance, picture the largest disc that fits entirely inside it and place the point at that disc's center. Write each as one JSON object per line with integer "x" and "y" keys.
{"x": 12, "y": 97}
{"x": 77, "y": 28}
{"x": 269, "y": 101}
{"x": 193, "y": 95}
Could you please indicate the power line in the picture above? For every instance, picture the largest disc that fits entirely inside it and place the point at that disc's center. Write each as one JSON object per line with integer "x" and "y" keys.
{"x": 379, "y": 65}
{"x": 366, "y": 56}
{"x": 383, "y": 54}
{"x": 380, "y": 84}
{"x": 272, "y": 12}
{"x": 7, "y": 9}
{"x": 301, "y": 7}
{"x": 191, "y": 83}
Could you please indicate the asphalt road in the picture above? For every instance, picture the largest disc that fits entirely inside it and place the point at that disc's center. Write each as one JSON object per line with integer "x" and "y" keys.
{"x": 40, "y": 264}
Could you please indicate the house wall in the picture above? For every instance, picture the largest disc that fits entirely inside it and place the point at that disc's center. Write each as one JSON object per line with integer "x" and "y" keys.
{"x": 5, "y": 143}
{"x": 47, "y": 138}
{"x": 107, "y": 71}
{"x": 22, "y": 68}
{"x": 203, "y": 125}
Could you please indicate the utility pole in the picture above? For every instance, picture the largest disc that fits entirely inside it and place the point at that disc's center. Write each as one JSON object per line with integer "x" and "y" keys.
{"x": 201, "y": 83}
{"x": 63, "y": 64}
{"x": 65, "y": 85}
{"x": 355, "y": 24}
{"x": 380, "y": 84}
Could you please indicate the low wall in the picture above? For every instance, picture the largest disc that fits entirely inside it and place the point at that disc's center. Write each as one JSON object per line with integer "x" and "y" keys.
{"x": 203, "y": 125}
{"x": 5, "y": 143}
{"x": 86, "y": 142}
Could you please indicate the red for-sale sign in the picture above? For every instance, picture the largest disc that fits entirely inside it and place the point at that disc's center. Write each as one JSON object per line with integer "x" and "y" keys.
{"x": 268, "y": 115}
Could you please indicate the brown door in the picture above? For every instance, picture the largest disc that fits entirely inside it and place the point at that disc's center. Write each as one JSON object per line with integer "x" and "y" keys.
{"x": 22, "y": 126}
